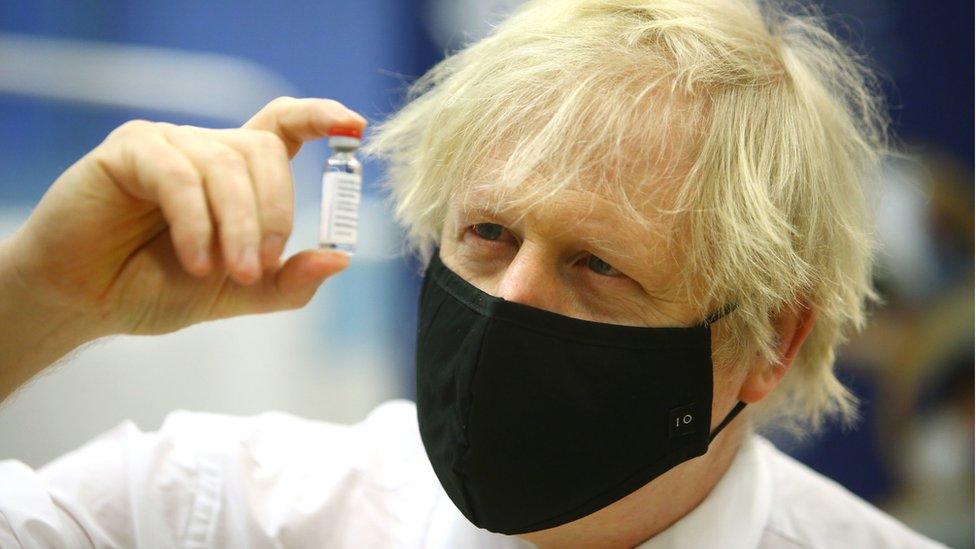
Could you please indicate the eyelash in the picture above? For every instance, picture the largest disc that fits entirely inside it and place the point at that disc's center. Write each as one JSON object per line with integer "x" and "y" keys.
{"x": 590, "y": 258}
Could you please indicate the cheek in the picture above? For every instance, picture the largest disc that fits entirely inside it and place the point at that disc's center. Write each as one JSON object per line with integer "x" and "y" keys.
{"x": 622, "y": 307}
{"x": 482, "y": 274}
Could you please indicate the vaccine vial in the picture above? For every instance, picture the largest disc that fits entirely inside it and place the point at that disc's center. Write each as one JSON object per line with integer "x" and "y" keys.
{"x": 341, "y": 183}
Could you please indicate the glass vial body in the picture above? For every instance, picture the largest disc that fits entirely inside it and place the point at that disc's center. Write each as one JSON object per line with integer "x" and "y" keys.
{"x": 341, "y": 190}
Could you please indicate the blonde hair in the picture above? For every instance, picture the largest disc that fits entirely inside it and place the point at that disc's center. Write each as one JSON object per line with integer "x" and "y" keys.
{"x": 758, "y": 125}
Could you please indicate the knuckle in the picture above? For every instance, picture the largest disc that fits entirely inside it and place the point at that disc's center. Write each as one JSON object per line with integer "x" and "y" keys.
{"x": 276, "y": 217}
{"x": 239, "y": 224}
{"x": 281, "y": 101}
{"x": 227, "y": 158}
{"x": 191, "y": 233}
{"x": 180, "y": 132}
{"x": 176, "y": 173}
{"x": 268, "y": 141}
{"x": 106, "y": 153}
{"x": 199, "y": 230}
{"x": 277, "y": 209}
{"x": 135, "y": 126}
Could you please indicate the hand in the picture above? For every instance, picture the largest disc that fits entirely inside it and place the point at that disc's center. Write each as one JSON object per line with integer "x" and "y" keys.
{"x": 163, "y": 226}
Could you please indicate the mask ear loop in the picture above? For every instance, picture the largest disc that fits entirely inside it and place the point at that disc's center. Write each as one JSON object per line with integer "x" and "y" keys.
{"x": 709, "y": 320}
{"x": 728, "y": 419}
{"x": 720, "y": 314}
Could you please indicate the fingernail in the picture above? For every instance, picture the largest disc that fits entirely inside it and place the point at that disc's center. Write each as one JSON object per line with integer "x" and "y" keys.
{"x": 271, "y": 246}
{"x": 248, "y": 261}
{"x": 356, "y": 115}
{"x": 200, "y": 260}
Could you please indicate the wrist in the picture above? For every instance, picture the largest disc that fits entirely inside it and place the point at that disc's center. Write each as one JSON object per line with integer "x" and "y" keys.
{"x": 38, "y": 330}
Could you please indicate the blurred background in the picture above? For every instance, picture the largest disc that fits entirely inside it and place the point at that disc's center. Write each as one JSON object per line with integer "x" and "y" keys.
{"x": 70, "y": 72}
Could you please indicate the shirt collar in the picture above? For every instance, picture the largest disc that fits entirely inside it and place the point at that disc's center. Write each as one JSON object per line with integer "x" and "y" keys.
{"x": 734, "y": 513}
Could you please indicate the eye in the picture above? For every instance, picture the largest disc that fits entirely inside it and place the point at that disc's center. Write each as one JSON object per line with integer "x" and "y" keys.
{"x": 600, "y": 266}
{"x": 492, "y": 232}
{"x": 488, "y": 231}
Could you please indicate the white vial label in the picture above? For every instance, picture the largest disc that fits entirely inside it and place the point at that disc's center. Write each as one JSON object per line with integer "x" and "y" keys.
{"x": 340, "y": 210}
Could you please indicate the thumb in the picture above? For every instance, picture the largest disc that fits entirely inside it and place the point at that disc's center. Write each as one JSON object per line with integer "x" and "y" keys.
{"x": 297, "y": 280}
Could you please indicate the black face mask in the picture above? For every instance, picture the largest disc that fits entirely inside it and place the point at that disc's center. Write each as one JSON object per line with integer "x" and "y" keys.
{"x": 532, "y": 419}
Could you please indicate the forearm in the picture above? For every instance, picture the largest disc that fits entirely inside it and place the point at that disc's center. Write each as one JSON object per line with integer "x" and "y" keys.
{"x": 35, "y": 333}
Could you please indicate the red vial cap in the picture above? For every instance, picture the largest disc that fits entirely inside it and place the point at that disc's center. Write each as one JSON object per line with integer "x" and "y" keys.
{"x": 351, "y": 132}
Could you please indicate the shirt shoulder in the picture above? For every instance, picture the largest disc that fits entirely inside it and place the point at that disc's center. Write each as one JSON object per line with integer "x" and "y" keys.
{"x": 382, "y": 446}
{"x": 211, "y": 480}
{"x": 811, "y": 511}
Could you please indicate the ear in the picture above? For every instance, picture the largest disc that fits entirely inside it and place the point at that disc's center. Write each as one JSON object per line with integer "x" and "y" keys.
{"x": 793, "y": 327}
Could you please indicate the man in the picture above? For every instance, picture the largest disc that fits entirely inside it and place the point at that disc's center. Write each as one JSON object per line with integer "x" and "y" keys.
{"x": 645, "y": 234}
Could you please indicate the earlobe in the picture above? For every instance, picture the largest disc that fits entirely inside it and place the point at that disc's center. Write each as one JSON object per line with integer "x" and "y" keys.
{"x": 759, "y": 383}
{"x": 793, "y": 330}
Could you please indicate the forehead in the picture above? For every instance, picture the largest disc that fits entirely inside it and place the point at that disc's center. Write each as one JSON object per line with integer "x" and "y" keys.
{"x": 565, "y": 206}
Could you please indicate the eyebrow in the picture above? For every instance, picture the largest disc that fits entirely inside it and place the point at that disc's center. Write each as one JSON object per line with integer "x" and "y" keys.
{"x": 626, "y": 260}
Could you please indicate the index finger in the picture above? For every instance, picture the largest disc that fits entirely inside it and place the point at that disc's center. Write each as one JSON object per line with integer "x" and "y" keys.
{"x": 296, "y": 121}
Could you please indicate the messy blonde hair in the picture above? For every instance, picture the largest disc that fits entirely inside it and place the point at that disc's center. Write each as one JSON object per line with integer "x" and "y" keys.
{"x": 758, "y": 127}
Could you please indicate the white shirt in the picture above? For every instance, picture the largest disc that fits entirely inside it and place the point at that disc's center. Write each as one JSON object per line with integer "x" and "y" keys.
{"x": 275, "y": 480}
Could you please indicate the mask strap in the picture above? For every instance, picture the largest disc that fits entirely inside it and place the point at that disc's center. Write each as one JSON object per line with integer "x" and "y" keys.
{"x": 711, "y": 319}
{"x": 719, "y": 314}
{"x": 728, "y": 419}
